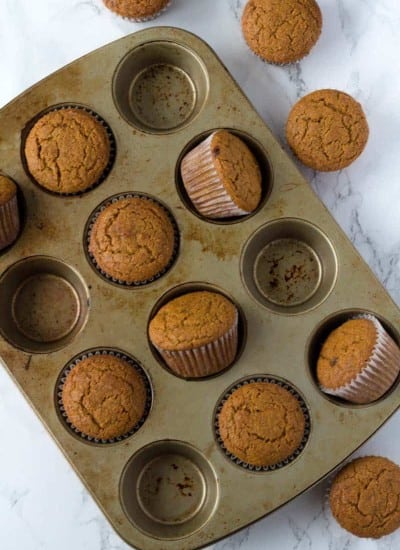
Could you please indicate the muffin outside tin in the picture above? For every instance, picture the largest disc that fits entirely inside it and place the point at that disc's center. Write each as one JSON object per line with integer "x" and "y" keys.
{"x": 222, "y": 255}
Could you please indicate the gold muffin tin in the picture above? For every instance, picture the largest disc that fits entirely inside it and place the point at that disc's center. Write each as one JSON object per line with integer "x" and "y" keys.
{"x": 289, "y": 267}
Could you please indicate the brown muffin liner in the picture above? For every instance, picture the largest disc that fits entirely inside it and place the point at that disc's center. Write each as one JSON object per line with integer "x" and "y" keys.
{"x": 140, "y": 19}
{"x": 379, "y": 374}
{"x": 92, "y": 221}
{"x": 236, "y": 460}
{"x": 9, "y": 222}
{"x": 204, "y": 186}
{"x": 99, "y": 119}
{"x": 204, "y": 360}
{"x": 68, "y": 368}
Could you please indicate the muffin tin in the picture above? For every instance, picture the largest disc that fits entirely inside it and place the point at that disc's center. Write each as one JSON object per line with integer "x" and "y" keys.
{"x": 288, "y": 266}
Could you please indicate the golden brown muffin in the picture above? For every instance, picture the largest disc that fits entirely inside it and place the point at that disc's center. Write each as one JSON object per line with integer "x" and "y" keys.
{"x": 136, "y": 9}
{"x": 327, "y": 130}
{"x": 9, "y": 214}
{"x": 261, "y": 423}
{"x": 67, "y": 151}
{"x": 104, "y": 397}
{"x": 222, "y": 176}
{"x": 196, "y": 333}
{"x": 133, "y": 240}
{"x": 281, "y": 32}
{"x": 346, "y": 352}
{"x": 365, "y": 497}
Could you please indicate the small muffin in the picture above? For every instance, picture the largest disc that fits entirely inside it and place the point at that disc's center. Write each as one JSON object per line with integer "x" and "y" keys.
{"x": 137, "y": 10}
{"x": 359, "y": 361}
{"x": 327, "y": 130}
{"x": 104, "y": 397}
{"x": 222, "y": 177}
{"x": 132, "y": 240}
{"x": 196, "y": 334}
{"x": 261, "y": 423}
{"x": 281, "y": 32}
{"x": 9, "y": 215}
{"x": 365, "y": 497}
{"x": 67, "y": 151}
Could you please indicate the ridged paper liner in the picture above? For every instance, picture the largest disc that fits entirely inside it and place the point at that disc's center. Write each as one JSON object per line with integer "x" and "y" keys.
{"x": 140, "y": 19}
{"x": 204, "y": 360}
{"x": 278, "y": 465}
{"x": 111, "y": 140}
{"x": 9, "y": 222}
{"x": 204, "y": 186}
{"x": 92, "y": 221}
{"x": 68, "y": 368}
{"x": 379, "y": 374}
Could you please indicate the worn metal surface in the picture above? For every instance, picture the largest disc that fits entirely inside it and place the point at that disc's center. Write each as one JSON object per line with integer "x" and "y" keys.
{"x": 281, "y": 340}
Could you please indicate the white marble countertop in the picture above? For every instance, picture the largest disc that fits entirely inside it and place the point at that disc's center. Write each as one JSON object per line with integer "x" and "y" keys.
{"x": 43, "y": 505}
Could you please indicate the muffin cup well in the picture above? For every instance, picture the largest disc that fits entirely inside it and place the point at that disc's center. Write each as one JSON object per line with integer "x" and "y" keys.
{"x": 236, "y": 460}
{"x": 379, "y": 374}
{"x": 204, "y": 360}
{"x": 99, "y": 119}
{"x": 9, "y": 222}
{"x": 60, "y": 385}
{"x": 141, "y": 19}
{"x": 92, "y": 221}
{"x": 204, "y": 186}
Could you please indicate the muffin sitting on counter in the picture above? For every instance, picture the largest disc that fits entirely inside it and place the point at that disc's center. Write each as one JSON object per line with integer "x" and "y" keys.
{"x": 196, "y": 334}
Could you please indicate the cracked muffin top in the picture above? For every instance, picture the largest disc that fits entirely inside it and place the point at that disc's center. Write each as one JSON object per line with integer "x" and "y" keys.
{"x": 104, "y": 396}
{"x": 365, "y": 497}
{"x": 327, "y": 130}
{"x": 281, "y": 32}
{"x": 192, "y": 320}
{"x": 261, "y": 423}
{"x": 136, "y": 9}
{"x": 346, "y": 352}
{"x": 8, "y": 189}
{"x": 67, "y": 151}
{"x": 133, "y": 240}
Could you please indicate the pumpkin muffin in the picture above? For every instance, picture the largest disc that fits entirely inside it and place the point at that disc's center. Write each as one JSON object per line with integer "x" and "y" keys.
{"x": 133, "y": 240}
{"x": 365, "y": 497}
{"x": 359, "y": 361}
{"x": 9, "y": 215}
{"x": 222, "y": 177}
{"x": 196, "y": 334}
{"x": 327, "y": 130}
{"x": 137, "y": 10}
{"x": 281, "y": 32}
{"x": 104, "y": 397}
{"x": 67, "y": 151}
{"x": 261, "y": 423}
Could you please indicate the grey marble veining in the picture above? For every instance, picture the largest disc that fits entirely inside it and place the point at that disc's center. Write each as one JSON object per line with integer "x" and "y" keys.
{"x": 43, "y": 506}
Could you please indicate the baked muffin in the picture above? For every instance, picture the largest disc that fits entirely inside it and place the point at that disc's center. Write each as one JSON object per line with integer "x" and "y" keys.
{"x": 359, "y": 361}
{"x": 137, "y": 10}
{"x": 104, "y": 397}
{"x": 281, "y": 32}
{"x": 196, "y": 334}
{"x": 67, "y": 151}
{"x": 133, "y": 240}
{"x": 365, "y": 497}
{"x": 9, "y": 215}
{"x": 261, "y": 423}
{"x": 327, "y": 130}
{"x": 222, "y": 177}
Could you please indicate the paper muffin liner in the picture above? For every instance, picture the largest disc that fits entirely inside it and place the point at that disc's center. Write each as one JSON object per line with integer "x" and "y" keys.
{"x": 379, "y": 374}
{"x": 60, "y": 385}
{"x": 140, "y": 19}
{"x": 9, "y": 222}
{"x": 204, "y": 186}
{"x": 204, "y": 360}
{"x": 111, "y": 140}
{"x": 236, "y": 460}
{"x": 92, "y": 221}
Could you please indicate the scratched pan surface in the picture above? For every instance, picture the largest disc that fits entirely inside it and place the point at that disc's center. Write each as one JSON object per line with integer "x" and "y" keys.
{"x": 289, "y": 267}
